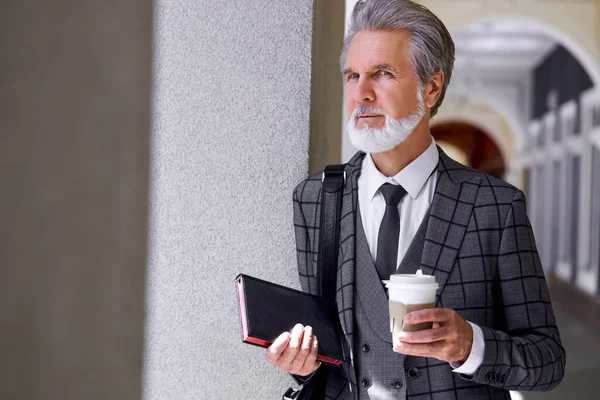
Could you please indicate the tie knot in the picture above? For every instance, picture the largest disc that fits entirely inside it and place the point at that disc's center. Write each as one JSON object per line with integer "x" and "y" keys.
{"x": 392, "y": 193}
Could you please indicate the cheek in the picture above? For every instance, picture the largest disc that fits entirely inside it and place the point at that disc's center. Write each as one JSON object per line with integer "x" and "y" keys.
{"x": 399, "y": 104}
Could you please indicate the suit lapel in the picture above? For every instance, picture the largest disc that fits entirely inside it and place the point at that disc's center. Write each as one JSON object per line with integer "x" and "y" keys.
{"x": 448, "y": 219}
{"x": 369, "y": 287}
{"x": 412, "y": 258}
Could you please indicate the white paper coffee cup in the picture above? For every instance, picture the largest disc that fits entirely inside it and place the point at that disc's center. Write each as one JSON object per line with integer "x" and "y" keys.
{"x": 407, "y": 293}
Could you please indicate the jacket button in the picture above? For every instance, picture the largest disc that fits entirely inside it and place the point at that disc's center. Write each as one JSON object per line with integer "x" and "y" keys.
{"x": 365, "y": 382}
{"x": 489, "y": 376}
{"x": 397, "y": 385}
{"x": 413, "y": 372}
{"x": 365, "y": 348}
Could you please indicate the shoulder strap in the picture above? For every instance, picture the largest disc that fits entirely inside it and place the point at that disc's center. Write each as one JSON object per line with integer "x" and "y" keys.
{"x": 333, "y": 181}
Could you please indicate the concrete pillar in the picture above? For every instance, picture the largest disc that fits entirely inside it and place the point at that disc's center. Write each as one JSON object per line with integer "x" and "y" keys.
{"x": 74, "y": 137}
{"x": 231, "y": 124}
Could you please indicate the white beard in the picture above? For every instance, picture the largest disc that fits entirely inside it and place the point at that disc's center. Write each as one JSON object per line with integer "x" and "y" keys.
{"x": 394, "y": 132}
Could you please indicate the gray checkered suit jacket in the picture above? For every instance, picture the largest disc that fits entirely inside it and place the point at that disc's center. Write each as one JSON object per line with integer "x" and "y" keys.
{"x": 480, "y": 246}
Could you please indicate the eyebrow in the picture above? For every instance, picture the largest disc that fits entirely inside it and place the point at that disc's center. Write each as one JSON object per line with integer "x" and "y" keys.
{"x": 387, "y": 67}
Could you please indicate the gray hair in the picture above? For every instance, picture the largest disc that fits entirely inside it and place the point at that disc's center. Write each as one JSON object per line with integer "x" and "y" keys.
{"x": 431, "y": 46}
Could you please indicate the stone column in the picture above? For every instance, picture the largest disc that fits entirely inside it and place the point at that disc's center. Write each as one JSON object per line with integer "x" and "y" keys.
{"x": 231, "y": 128}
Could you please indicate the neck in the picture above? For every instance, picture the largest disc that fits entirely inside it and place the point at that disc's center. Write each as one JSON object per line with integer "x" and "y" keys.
{"x": 395, "y": 160}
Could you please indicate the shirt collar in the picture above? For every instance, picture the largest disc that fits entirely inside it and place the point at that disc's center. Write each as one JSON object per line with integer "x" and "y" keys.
{"x": 412, "y": 178}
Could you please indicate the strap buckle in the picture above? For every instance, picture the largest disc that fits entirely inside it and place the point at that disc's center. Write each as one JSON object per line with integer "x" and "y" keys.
{"x": 290, "y": 394}
{"x": 333, "y": 174}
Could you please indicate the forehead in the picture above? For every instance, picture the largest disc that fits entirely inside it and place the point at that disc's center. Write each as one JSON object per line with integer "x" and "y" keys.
{"x": 371, "y": 48}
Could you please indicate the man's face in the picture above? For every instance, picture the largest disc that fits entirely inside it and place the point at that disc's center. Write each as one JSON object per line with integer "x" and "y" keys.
{"x": 379, "y": 73}
{"x": 383, "y": 98}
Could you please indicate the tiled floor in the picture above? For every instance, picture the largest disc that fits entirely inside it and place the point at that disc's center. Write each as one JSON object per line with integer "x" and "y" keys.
{"x": 582, "y": 376}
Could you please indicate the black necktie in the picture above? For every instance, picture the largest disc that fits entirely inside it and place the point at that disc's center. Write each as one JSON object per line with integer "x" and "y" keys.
{"x": 389, "y": 231}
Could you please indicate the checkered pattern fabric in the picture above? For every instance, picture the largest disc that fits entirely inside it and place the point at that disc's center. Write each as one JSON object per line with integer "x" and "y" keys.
{"x": 480, "y": 246}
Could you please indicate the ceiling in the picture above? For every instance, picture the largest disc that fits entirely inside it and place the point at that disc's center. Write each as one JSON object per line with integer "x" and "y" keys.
{"x": 495, "y": 44}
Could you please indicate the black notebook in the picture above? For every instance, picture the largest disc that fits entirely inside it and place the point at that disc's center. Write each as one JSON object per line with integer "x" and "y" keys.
{"x": 267, "y": 310}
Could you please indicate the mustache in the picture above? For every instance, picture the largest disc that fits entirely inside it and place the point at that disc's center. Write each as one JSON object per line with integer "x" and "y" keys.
{"x": 363, "y": 109}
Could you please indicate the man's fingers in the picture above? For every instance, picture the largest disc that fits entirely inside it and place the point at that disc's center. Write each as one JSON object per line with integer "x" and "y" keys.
{"x": 419, "y": 349}
{"x": 424, "y": 336}
{"x": 277, "y": 347}
{"x": 428, "y": 315}
{"x": 304, "y": 351}
{"x": 289, "y": 353}
{"x": 307, "y": 340}
{"x": 300, "y": 358}
{"x": 310, "y": 363}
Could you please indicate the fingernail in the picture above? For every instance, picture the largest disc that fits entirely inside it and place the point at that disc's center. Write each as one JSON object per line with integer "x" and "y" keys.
{"x": 408, "y": 318}
{"x": 402, "y": 335}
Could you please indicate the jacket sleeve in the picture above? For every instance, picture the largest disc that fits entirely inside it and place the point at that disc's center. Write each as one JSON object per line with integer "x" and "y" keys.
{"x": 527, "y": 353}
{"x": 304, "y": 251}
{"x": 304, "y": 254}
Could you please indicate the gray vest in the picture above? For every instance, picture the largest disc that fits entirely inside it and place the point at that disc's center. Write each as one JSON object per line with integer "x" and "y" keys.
{"x": 380, "y": 371}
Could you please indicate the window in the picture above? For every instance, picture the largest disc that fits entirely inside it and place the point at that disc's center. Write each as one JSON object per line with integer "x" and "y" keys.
{"x": 556, "y": 130}
{"x": 538, "y": 208}
{"x": 527, "y": 183}
{"x": 576, "y": 121}
{"x": 541, "y": 137}
{"x": 595, "y": 234}
{"x": 596, "y": 115}
{"x": 574, "y": 211}
{"x": 555, "y": 205}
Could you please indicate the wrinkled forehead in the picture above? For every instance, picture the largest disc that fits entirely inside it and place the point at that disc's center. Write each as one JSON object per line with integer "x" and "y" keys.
{"x": 369, "y": 49}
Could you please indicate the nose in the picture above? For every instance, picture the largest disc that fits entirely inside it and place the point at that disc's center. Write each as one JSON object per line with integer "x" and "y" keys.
{"x": 364, "y": 92}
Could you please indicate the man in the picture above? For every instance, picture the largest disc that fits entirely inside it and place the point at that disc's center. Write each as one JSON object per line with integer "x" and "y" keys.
{"x": 493, "y": 325}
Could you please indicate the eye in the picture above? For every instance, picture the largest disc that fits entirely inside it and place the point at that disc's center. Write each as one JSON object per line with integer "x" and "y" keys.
{"x": 352, "y": 76}
{"x": 383, "y": 73}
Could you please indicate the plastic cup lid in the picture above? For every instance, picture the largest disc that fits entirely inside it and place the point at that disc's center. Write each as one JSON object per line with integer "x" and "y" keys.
{"x": 415, "y": 280}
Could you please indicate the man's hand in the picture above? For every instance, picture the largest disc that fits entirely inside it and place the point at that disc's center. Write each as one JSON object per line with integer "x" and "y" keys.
{"x": 450, "y": 339}
{"x": 295, "y": 352}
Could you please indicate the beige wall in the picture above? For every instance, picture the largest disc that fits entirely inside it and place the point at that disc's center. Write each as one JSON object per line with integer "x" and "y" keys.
{"x": 74, "y": 130}
{"x": 326, "y": 84}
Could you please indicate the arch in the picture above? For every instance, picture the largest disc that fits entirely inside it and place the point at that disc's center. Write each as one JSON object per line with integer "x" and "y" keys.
{"x": 588, "y": 62}
{"x": 572, "y": 24}
{"x": 476, "y": 148}
{"x": 503, "y": 127}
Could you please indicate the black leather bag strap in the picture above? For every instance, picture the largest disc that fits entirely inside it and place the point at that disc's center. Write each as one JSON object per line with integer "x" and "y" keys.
{"x": 333, "y": 181}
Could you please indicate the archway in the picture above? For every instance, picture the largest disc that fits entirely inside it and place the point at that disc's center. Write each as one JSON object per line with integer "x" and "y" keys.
{"x": 471, "y": 145}
{"x": 572, "y": 24}
{"x": 489, "y": 117}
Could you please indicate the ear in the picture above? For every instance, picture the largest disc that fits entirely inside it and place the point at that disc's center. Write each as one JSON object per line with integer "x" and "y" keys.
{"x": 433, "y": 89}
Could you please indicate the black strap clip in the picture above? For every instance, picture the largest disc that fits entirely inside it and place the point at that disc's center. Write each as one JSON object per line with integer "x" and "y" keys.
{"x": 333, "y": 178}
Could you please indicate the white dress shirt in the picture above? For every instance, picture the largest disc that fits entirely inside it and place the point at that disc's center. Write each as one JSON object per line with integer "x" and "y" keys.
{"x": 419, "y": 181}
